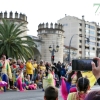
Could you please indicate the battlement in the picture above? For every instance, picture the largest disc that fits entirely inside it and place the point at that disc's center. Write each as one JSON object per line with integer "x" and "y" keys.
{"x": 12, "y": 15}
{"x": 50, "y": 26}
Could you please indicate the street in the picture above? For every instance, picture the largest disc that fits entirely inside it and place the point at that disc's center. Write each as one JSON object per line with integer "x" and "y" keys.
{"x": 30, "y": 95}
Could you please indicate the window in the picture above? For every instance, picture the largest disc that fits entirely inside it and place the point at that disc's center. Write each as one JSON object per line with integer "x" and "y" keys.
{"x": 80, "y": 46}
{"x": 87, "y": 48}
{"x": 80, "y": 52}
{"x": 98, "y": 44}
{"x": 80, "y": 41}
{"x": 92, "y": 32}
{"x": 92, "y": 27}
{"x": 80, "y": 30}
{"x": 80, "y": 24}
{"x": 86, "y": 31}
{"x": 92, "y": 38}
{"x": 65, "y": 24}
{"x": 92, "y": 43}
{"x": 87, "y": 26}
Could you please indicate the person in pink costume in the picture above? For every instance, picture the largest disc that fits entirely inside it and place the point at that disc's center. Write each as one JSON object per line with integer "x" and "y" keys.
{"x": 70, "y": 83}
{"x": 19, "y": 80}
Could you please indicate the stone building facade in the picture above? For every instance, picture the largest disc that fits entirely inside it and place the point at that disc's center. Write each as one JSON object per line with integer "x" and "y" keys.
{"x": 51, "y": 36}
{"x": 17, "y": 18}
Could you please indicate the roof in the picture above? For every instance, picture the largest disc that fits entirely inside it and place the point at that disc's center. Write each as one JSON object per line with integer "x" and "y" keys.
{"x": 35, "y": 38}
{"x": 70, "y": 47}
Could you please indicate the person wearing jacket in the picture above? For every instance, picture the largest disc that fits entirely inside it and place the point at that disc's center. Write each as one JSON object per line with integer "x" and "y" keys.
{"x": 29, "y": 68}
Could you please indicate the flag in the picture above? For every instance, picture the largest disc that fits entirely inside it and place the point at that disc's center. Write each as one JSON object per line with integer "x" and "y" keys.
{"x": 90, "y": 76}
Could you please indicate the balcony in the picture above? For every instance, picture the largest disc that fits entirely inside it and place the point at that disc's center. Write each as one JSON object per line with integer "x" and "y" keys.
{"x": 98, "y": 37}
{"x": 98, "y": 32}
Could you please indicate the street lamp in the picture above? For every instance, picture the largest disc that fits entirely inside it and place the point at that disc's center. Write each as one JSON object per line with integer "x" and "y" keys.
{"x": 52, "y": 51}
{"x": 70, "y": 44}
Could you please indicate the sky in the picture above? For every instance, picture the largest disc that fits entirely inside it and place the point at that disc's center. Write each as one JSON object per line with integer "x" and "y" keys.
{"x": 39, "y": 11}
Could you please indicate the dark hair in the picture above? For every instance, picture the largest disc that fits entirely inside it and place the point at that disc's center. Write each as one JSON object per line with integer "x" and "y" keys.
{"x": 29, "y": 59}
{"x": 70, "y": 75}
{"x": 83, "y": 84}
{"x": 34, "y": 59}
{"x": 51, "y": 93}
{"x": 94, "y": 95}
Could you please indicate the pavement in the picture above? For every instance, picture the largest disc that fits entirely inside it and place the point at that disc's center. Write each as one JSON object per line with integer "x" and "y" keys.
{"x": 30, "y": 94}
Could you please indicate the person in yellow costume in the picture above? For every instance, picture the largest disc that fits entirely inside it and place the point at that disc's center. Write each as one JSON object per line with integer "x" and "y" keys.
{"x": 42, "y": 66}
{"x": 49, "y": 81}
{"x": 90, "y": 76}
{"x": 29, "y": 68}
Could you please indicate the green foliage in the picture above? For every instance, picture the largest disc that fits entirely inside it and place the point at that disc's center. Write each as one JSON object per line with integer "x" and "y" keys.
{"x": 12, "y": 43}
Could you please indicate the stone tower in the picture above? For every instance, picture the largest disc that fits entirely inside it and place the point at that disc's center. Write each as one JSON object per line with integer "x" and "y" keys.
{"x": 17, "y": 18}
{"x": 51, "y": 36}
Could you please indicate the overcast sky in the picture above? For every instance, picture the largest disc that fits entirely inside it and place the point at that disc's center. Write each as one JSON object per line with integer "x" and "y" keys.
{"x": 39, "y": 11}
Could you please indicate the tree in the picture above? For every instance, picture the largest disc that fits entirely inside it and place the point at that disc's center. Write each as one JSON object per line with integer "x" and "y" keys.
{"x": 12, "y": 43}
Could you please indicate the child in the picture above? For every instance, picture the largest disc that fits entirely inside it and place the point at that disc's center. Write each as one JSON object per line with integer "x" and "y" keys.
{"x": 39, "y": 78}
{"x": 20, "y": 80}
{"x": 83, "y": 87}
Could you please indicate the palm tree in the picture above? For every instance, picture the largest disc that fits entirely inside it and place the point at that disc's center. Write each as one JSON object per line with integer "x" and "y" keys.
{"x": 12, "y": 43}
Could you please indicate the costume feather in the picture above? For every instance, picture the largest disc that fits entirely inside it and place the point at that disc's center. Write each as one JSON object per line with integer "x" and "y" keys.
{"x": 64, "y": 91}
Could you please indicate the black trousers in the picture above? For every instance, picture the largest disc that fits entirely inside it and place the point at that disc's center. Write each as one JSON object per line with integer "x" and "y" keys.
{"x": 10, "y": 83}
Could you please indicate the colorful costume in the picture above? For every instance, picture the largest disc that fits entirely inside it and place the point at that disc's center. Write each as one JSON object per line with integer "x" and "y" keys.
{"x": 20, "y": 84}
{"x": 32, "y": 87}
{"x": 6, "y": 72}
{"x": 71, "y": 87}
{"x": 76, "y": 96}
{"x": 49, "y": 81}
{"x": 90, "y": 76}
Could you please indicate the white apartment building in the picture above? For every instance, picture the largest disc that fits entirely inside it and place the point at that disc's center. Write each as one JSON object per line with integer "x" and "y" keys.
{"x": 73, "y": 25}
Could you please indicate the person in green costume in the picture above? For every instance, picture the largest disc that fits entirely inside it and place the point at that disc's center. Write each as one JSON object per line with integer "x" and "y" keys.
{"x": 49, "y": 80}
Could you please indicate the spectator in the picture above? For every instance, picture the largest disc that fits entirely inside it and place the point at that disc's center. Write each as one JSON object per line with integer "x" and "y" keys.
{"x": 58, "y": 69}
{"x": 21, "y": 65}
{"x": 51, "y": 93}
{"x": 63, "y": 71}
{"x": 47, "y": 67}
{"x": 69, "y": 69}
{"x": 83, "y": 87}
{"x": 29, "y": 68}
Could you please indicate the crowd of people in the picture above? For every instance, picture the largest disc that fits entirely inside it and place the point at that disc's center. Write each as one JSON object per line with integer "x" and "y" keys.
{"x": 19, "y": 76}
{"x": 81, "y": 90}
{"x": 16, "y": 75}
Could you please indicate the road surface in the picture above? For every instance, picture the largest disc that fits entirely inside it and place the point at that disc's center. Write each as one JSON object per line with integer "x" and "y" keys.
{"x": 30, "y": 95}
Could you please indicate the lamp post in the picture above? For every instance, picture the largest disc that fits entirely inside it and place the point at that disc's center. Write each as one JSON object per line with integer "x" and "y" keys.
{"x": 52, "y": 51}
{"x": 70, "y": 44}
